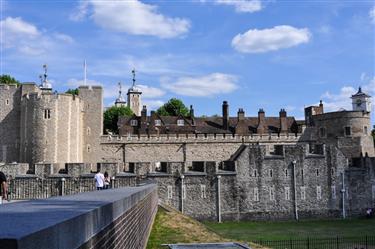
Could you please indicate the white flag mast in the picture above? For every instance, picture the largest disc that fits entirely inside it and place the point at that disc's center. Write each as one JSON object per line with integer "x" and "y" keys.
{"x": 84, "y": 72}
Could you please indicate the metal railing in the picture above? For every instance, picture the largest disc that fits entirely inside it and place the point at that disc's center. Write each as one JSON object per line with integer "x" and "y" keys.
{"x": 363, "y": 242}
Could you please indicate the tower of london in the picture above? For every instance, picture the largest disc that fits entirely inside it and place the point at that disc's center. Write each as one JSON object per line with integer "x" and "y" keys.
{"x": 263, "y": 166}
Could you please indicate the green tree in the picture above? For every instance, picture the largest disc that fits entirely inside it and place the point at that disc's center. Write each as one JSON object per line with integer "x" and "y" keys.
{"x": 73, "y": 91}
{"x": 7, "y": 79}
{"x": 173, "y": 107}
{"x": 111, "y": 116}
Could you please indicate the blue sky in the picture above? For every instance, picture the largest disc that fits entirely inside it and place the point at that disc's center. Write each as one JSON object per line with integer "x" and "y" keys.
{"x": 254, "y": 54}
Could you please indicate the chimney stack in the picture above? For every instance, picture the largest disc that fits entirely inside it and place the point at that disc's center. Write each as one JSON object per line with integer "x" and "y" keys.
{"x": 144, "y": 114}
{"x": 283, "y": 121}
{"x": 225, "y": 115}
{"x": 240, "y": 114}
{"x": 261, "y": 121}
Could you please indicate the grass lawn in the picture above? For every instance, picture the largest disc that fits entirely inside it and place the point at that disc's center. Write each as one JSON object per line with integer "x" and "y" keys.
{"x": 172, "y": 227}
{"x": 282, "y": 230}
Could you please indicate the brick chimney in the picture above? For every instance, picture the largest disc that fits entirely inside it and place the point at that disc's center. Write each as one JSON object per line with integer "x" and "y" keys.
{"x": 225, "y": 115}
{"x": 241, "y": 127}
{"x": 192, "y": 115}
{"x": 261, "y": 121}
{"x": 283, "y": 121}
{"x": 240, "y": 114}
{"x": 144, "y": 114}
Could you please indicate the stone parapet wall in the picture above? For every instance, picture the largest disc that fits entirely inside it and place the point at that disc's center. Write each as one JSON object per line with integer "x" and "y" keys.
{"x": 119, "y": 218}
{"x": 214, "y": 138}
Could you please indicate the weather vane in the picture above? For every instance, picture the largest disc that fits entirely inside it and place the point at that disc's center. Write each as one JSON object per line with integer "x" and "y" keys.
{"x": 133, "y": 72}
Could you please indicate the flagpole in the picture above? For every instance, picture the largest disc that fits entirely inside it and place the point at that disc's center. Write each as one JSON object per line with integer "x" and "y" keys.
{"x": 84, "y": 72}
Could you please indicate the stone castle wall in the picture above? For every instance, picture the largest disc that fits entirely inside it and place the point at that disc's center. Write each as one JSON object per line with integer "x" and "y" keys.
{"x": 182, "y": 147}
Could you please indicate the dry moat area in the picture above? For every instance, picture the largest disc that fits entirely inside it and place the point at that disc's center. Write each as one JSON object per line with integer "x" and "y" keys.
{"x": 172, "y": 227}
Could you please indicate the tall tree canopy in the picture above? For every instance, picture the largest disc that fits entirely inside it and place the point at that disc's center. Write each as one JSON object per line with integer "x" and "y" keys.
{"x": 7, "y": 79}
{"x": 73, "y": 91}
{"x": 173, "y": 107}
{"x": 111, "y": 116}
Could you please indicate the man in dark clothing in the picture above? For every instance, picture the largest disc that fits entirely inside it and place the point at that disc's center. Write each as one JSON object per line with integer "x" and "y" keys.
{"x": 3, "y": 186}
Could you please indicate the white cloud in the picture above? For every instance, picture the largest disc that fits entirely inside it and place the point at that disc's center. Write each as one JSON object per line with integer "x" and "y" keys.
{"x": 207, "y": 85}
{"x": 151, "y": 92}
{"x": 278, "y": 37}
{"x": 243, "y": 5}
{"x": 133, "y": 17}
{"x": 80, "y": 12}
{"x": 63, "y": 37}
{"x": 152, "y": 104}
{"x": 372, "y": 14}
{"x": 27, "y": 39}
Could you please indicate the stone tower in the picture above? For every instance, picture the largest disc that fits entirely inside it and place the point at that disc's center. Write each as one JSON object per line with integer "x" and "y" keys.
{"x": 134, "y": 98}
{"x": 120, "y": 101}
{"x": 361, "y": 101}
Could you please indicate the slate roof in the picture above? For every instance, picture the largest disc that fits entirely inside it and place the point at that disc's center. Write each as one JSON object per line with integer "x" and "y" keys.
{"x": 207, "y": 125}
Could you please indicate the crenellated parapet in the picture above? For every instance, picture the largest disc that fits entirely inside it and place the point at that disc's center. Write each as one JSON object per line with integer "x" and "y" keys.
{"x": 203, "y": 138}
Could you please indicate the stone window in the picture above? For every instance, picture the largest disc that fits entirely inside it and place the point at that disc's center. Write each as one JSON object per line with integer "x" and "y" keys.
{"x": 270, "y": 173}
{"x": 303, "y": 193}
{"x": 255, "y": 173}
{"x": 318, "y": 193}
{"x": 272, "y": 193}
{"x": 332, "y": 172}
{"x": 287, "y": 193}
{"x": 183, "y": 192}
{"x": 47, "y": 114}
{"x": 256, "y": 194}
{"x": 322, "y": 132}
{"x": 302, "y": 173}
{"x": 161, "y": 167}
{"x": 170, "y": 193}
{"x": 203, "y": 191}
{"x": 88, "y": 131}
{"x": 131, "y": 168}
{"x": 348, "y": 131}
{"x": 333, "y": 192}
{"x": 197, "y": 166}
{"x": 286, "y": 173}
{"x": 317, "y": 172}
{"x": 7, "y": 101}
{"x": 365, "y": 130}
{"x": 133, "y": 122}
{"x": 180, "y": 122}
{"x": 157, "y": 122}
{"x": 88, "y": 148}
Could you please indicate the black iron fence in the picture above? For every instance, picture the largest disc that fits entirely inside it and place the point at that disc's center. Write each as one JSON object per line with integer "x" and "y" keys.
{"x": 364, "y": 242}
{"x": 37, "y": 188}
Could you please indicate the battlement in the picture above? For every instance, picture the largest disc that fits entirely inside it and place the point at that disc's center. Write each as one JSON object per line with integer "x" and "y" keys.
{"x": 90, "y": 88}
{"x": 214, "y": 138}
{"x": 50, "y": 97}
{"x": 5, "y": 87}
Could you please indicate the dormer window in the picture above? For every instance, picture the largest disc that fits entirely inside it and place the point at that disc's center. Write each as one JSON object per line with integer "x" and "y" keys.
{"x": 157, "y": 122}
{"x": 180, "y": 122}
{"x": 133, "y": 122}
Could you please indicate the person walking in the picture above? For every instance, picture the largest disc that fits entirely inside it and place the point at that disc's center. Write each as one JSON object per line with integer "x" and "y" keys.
{"x": 3, "y": 187}
{"x": 99, "y": 180}
{"x": 107, "y": 180}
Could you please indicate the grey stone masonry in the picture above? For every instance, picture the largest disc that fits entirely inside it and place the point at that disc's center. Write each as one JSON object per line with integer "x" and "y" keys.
{"x": 119, "y": 218}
